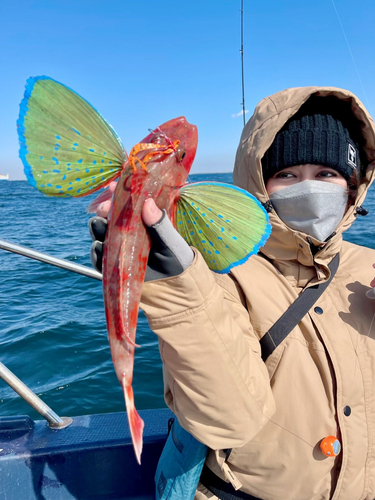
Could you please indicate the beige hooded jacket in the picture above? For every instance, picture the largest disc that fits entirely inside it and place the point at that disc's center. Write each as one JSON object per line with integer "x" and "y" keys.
{"x": 274, "y": 415}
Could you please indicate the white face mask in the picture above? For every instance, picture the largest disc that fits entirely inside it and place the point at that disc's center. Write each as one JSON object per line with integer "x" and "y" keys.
{"x": 312, "y": 207}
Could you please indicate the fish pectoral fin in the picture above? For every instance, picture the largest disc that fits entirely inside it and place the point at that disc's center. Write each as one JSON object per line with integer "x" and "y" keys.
{"x": 225, "y": 223}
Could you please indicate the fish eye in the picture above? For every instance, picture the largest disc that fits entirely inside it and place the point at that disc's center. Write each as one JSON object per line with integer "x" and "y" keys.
{"x": 180, "y": 153}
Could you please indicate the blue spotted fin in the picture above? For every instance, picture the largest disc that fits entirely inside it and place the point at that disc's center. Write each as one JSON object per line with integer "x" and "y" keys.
{"x": 225, "y": 223}
{"x": 66, "y": 146}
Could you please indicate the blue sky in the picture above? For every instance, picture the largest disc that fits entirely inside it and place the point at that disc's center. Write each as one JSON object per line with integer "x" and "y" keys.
{"x": 143, "y": 62}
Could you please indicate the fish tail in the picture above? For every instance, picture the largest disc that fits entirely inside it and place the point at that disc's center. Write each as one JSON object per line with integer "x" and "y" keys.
{"x": 136, "y": 424}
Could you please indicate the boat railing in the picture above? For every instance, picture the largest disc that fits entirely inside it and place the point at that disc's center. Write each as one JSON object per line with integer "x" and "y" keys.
{"x": 9, "y": 377}
{"x": 49, "y": 259}
{"x": 30, "y": 397}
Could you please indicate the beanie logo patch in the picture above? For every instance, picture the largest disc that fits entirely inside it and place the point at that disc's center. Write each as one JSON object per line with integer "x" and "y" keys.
{"x": 352, "y": 156}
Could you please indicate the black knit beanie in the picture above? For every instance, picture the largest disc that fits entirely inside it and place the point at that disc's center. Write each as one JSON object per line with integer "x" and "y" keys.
{"x": 315, "y": 138}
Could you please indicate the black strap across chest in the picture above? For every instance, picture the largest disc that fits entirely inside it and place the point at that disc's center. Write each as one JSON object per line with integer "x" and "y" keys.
{"x": 293, "y": 315}
{"x": 222, "y": 489}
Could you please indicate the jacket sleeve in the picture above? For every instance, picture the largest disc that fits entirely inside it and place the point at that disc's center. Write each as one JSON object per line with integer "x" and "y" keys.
{"x": 215, "y": 380}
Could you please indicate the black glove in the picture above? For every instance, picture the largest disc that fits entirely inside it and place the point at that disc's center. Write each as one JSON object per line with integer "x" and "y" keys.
{"x": 169, "y": 255}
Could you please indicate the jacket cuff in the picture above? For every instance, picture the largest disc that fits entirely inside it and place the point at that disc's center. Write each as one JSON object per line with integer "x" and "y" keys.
{"x": 168, "y": 298}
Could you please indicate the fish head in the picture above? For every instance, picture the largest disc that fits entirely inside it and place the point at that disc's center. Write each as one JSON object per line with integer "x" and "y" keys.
{"x": 177, "y": 129}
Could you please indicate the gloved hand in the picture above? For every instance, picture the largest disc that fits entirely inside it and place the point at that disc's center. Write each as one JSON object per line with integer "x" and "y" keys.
{"x": 169, "y": 255}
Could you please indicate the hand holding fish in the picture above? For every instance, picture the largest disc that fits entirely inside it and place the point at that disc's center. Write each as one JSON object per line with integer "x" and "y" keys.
{"x": 169, "y": 253}
{"x": 151, "y": 214}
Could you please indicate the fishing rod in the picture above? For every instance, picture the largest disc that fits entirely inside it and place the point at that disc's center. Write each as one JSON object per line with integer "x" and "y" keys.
{"x": 49, "y": 259}
{"x": 242, "y": 68}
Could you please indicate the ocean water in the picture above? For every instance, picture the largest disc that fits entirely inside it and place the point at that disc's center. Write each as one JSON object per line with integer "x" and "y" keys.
{"x": 52, "y": 324}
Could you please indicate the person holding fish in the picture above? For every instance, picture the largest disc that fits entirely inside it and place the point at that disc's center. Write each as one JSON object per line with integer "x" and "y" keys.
{"x": 308, "y": 155}
{"x": 272, "y": 364}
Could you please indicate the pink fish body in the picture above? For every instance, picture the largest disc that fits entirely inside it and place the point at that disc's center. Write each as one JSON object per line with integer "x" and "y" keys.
{"x": 156, "y": 169}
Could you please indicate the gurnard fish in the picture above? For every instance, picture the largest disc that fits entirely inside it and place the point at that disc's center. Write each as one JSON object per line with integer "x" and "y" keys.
{"x": 159, "y": 166}
{"x": 68, "y": 149}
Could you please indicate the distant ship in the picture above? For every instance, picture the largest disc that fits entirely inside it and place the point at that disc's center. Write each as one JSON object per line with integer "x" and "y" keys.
{"x": 4, "y": 177}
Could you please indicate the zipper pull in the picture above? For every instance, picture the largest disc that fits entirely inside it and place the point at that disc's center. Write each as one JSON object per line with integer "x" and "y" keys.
{"x": 229, "y": 476}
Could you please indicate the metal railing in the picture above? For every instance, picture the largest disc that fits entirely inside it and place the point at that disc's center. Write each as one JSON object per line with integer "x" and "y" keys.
{"x": 30, "y": 397}
{"x": 48, "y": 259}
{"x": 14, "y": 382}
